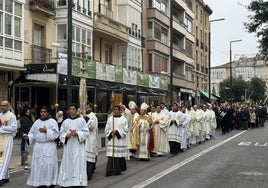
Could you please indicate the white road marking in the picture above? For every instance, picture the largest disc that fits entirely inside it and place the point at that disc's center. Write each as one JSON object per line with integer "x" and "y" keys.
{"x": 251, "y": 173}
{"x": 244, "y": 143}
{"x": 177, "y": 166}
{"x": 257, "y": 144}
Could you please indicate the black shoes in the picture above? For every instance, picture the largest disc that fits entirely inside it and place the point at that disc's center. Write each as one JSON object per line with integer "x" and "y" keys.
{"x": 3, "y": 181}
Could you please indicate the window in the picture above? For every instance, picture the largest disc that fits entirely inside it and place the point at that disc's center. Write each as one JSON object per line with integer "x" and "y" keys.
{"x": 1, "y": 23}
{"x": 78, "y": 37}
{"x": 37, "y": 35}
{"x": 8, "y": 43}
{"x": 122, "y": 56}
{"x": 189, "y": 48}
{"x": 18, "y": 45}
{"x": 188, "y": 24}
{"x": 160, "y": 5}
{"x": 81, "y": 36}
{"x": 84, "y": 36}
{"x": 17, "y": 32}
{"x": 8, "y": 6}
{"x": 62, "y": 32}
{"x": 108, "y": 54}
{"x": 18, "y": 9}
{"x": 62, "y": 3}
{"x": 157, "y": 63}
{"x": 1, "y": 41}
{"x": 88, "y": 38}
{"x": 8, "y": 24}
{"x": 107, "y": 4}
{"x": 160, "y": 33}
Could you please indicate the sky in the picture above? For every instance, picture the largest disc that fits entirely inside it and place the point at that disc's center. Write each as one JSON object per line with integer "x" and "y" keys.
{"x": 232, "y": 28}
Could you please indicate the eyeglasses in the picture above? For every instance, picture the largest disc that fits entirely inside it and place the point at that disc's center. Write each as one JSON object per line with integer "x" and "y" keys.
{"x": 3, "y": 105}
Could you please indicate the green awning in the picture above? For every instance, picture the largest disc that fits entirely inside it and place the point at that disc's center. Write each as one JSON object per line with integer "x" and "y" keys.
{"x": 206, "y": 94}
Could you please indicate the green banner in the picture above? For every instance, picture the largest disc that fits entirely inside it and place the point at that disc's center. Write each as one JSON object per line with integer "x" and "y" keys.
{"x": 119, "y": 74}
{"x": 89, "y": 65}
{"x": 163, "y": 84}
{"x": 142, "y": 79}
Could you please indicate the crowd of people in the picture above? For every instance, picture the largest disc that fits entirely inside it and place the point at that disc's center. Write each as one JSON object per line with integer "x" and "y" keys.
{"x": 133, "y": 133}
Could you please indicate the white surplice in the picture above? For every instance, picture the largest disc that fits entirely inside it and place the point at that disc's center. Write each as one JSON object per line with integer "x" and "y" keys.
{"x": 73, "y": 170}
{"x": 91, "y": 141}
{"x": 44, "y": 166}
{"x": 7, "y": 131}
{"x": 161, "y": 145}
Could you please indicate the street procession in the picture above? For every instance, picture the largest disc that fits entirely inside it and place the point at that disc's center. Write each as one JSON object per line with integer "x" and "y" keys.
{"x": 132, "y": 133}
{"x": 133, "y": 94}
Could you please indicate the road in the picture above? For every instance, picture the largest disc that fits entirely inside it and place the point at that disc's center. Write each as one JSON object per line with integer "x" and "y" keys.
{"x": 234, "y": 160}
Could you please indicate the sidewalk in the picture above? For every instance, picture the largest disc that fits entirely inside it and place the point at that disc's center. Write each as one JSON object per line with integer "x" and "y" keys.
{"x": 15, "y": 161}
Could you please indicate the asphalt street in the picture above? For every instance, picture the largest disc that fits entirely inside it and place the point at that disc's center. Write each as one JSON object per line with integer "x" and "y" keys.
{"x": 234, "y": 160}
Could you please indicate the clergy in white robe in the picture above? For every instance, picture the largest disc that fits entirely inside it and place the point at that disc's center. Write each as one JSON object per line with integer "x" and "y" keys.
{"x": 127, "y": 114}
{"x": 198, "y": 120}
{"x": 8, "y": 128}
{"x": 161, "y": 145}
{"x": 91, "y": 141}
{"x": 184, "y": 127}
{"x": 174, "y": 129}
{"x": 206, "y": 122}
{"x": 44, "y": 166}
{"x": 116, "y": 130}
{"x": 212, "y": 122}
{"x": 192, "y": 130}
{"x": 73, "y": 134}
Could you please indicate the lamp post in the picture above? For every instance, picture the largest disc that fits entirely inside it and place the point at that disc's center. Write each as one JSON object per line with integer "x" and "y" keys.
{"x": 231, "y": 80}
{"x": 171, "y": 55}
{"x": 69, "y": 53}
{"x": 209, "y": 61}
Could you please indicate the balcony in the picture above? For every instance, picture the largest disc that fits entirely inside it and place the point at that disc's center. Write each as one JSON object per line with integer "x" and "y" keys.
{"x": 45, "y": 7}
{"x": 107, "y": 27}
{"x": 40, "y": 55}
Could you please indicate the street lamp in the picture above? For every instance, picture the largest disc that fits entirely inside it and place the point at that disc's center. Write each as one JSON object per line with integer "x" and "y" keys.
{"x": 231, "y": 81}
{"x": 209, "y": 61}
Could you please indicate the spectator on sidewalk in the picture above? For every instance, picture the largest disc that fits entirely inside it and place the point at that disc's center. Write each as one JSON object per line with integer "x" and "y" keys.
{"x": 44, "y": 167}
{"x": 26, "y": 124}
{"x": 8, "y": 129}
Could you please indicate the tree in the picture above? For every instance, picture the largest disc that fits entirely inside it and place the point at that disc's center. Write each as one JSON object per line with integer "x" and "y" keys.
{"x": 235, "y": 93}
{"x": 257, "y": 88}
{"x": 258, "y": 23}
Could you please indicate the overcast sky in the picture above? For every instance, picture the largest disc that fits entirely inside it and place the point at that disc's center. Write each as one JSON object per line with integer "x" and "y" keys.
{"x": 232, "y": 28}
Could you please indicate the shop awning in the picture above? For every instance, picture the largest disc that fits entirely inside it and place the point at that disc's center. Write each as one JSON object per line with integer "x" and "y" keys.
{"x": 206, "y": 94}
